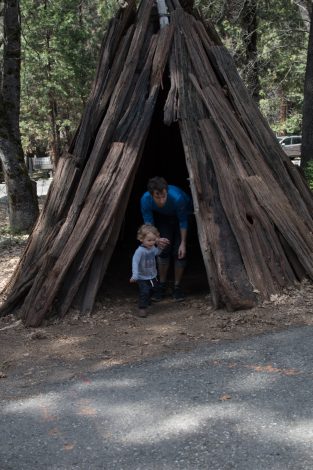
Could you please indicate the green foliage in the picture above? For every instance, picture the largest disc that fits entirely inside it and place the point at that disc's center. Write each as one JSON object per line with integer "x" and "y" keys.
{"x": 283, "y": 49}
{"x": 61, "y": 42}
{"x": 308, "y": 172}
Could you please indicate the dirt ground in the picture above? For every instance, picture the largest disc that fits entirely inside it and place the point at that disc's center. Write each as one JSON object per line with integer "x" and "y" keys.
{"x": 112, "y": 335}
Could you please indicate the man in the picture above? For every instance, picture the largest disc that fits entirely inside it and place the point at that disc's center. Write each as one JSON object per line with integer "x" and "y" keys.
{"x": 168, "y": 207}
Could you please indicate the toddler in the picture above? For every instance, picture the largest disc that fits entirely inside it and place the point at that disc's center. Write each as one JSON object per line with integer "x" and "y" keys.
{"x": 144, "y": 270}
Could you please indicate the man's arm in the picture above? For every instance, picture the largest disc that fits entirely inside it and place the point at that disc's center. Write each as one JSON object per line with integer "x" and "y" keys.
{"x": 182, "y": 214}
{"x": 182, "y": 247}
{"x": 146, "y": 210}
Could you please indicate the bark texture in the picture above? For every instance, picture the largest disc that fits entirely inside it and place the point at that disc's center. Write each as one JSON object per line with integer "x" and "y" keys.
{"x": 22, "y": 199}
{"x": 249, "y": 24}
{"x": 307, "y": 123}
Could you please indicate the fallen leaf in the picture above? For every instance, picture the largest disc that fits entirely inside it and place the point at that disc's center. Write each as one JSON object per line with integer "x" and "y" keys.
{"x": 224, "y": 397}
{"x": 87, "y": 411}
{"x": 68, "y": 446}
{"x": 54, "y": 432}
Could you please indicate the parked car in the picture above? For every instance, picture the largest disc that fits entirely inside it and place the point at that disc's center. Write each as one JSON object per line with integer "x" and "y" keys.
{"x": 291, "y": 145}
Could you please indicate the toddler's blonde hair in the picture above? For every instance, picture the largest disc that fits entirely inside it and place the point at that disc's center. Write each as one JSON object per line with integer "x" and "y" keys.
{"x": 145, "y": 229}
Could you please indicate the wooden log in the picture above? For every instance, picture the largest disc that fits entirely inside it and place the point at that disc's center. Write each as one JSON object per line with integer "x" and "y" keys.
{"x": 204, "y": 72}
{"x": 227, "y": 277}
{"x": 84, "y": 300}
{"x": 50, "y": 276}
{"x": 158, "y": 58}
{"x": 65, "y": 180}
{"x": 105, "y": 196}
{"x": 101, "y": 105}
{"x": 287, "y": 222}
{"x": 150, "y": 77}
{"x": 207, "y": 33}
{"x": 276, "y": 271}
{"x": 136, "y": 100}
{"x": 258, "y": 166}
{"x": 37, "y": 243}
{"x": 43, "y": 234}
{"x": 284, "y": 171}
{"x": 265, "y": 262}
{"x": 117, "y": 103}
{"x": 112, "y": 48}
{"x": 171, "y": 104}
{"x": 226, "y": 274}
{"x": 222, "y": 115}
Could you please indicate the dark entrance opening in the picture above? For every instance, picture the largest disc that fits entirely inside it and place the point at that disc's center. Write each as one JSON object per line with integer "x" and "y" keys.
{"x": 163, "y": 155}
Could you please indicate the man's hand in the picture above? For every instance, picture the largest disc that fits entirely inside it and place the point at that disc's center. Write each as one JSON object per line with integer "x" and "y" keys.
{"x": 132, "y": 280}
{"x": 182, "y": 250}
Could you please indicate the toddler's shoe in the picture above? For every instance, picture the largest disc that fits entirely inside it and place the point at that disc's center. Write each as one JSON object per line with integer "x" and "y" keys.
{"x": 142, "y": 313}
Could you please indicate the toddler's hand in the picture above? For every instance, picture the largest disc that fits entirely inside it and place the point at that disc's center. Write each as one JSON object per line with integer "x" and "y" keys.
{"x": 163, "y": 242}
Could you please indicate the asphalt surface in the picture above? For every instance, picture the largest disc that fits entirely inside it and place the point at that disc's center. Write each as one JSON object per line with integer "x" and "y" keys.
{"x": 229, "y": 405}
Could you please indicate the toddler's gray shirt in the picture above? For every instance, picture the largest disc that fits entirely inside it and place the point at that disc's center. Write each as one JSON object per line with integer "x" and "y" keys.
{"x": 144, "y": 264}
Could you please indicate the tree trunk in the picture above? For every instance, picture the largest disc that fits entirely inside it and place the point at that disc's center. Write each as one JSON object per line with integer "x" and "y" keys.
{"x": 55, "y": 132}
{"x": 249, "y": 23}
{"x": 307, "y": 123}
{"x": 23, "y": 205}
{"x": 282, "y": 110}
{"x": 53, "y": 108}
{"x": 305, "y": 8}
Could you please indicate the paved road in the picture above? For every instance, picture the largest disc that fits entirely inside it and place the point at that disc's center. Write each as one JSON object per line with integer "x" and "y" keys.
{"x": 234, "y": 405}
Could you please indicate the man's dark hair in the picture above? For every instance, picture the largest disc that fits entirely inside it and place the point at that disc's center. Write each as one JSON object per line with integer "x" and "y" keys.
{"x": 157, "y": 184}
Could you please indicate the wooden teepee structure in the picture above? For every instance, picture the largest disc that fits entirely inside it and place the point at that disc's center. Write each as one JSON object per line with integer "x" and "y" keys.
{"x": 252, "y": 207}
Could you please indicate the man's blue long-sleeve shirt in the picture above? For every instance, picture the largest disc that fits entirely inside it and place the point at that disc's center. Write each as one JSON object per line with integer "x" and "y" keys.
{"x": 178, "y": 203}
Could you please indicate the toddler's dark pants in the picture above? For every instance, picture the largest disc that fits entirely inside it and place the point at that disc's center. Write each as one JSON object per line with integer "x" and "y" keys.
{"x": 146, "y": 290}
